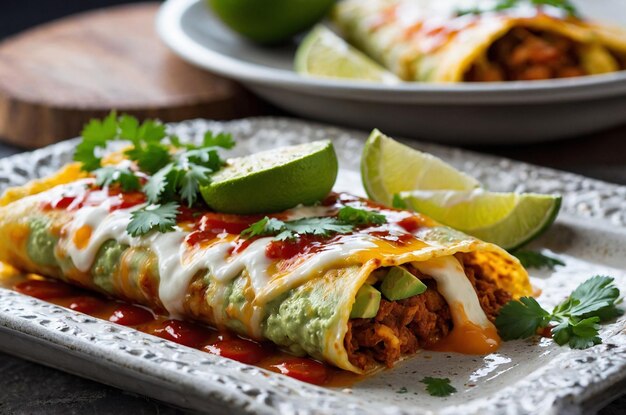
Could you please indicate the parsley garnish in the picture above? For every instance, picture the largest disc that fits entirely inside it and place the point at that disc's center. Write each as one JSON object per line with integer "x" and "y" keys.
{"x": 577, "y": 317}
{"x": 438, "y": 386}
{"x": 565, "y": 5}
{"x": 106, "y": 176}
{"x": 347, "y": 219}
{"x": 161, "y": 217}
{"x": 532, "y": 259}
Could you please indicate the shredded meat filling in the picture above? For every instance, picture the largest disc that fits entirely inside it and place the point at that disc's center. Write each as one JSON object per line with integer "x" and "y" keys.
{"x": 523, "y": 55}
{"x": 403, "y": 327}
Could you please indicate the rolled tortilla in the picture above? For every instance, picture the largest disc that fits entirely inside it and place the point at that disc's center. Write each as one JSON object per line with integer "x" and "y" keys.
{"x": 427, "y": 40}
{"x": 69, "y": 230}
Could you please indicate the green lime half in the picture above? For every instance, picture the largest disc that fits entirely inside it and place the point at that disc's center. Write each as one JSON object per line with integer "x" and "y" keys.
{"x": 324, "y": 54}
{"x": 270, "y": 21}
{"x": 389, "y": 167}
{"x": 274, "y": 180}
{"x": 506, "y": 219}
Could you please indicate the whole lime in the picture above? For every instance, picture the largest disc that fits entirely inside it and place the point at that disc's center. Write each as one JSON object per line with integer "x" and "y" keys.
{"x": 270, "y": 21}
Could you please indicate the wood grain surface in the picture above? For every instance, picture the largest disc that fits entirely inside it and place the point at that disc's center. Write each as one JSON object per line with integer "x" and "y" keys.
{"x": 56, "y": 77}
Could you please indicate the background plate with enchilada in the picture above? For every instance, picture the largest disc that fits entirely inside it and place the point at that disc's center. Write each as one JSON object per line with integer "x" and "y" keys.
{"x": 502, "y": 112}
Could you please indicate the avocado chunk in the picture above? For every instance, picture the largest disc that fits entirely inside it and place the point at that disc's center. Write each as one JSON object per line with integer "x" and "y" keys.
{"x": 366, "y": 302}
{"x": 400, "y": 284}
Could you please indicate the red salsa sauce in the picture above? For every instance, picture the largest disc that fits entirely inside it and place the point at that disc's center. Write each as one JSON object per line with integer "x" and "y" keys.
{"x": 222, "y": 343}
{"x": 94, "y": 196}
{"x": 209, "y": 226}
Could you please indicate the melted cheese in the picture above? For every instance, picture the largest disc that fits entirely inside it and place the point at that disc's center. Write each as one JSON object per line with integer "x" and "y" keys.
{"x": 472, "y": 333}
{"x": 340, "y": 252}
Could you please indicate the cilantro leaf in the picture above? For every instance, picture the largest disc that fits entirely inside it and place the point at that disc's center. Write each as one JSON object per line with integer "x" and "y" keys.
{"x": 285, "y": 235}
{"x": 151, "y": 131}
{"x": 223, "y": 140}
{"x": 561, "y": 333}
{"x": 532, "y": 259}
{"x": 106, "y": 176}
{"x": 324, "y": 226}
{"x": 96, "y": 134}
{"x": 266, "y": 226}
{"x": 578, "y": 334}
{"x": 161, "y": 217}
{"x": 360, "y": 217}
{"x": 192, "y": 178}
{"x": 156, "y": 184}
{"x": 438, "y": 386}
{"x": 207, "y": 157}
{"x": 595, "y": 294}
{"x": 149, "y": 157}
{"x": 398, "y": 202}
{"x": 521, "y": 319}
{"x": 128, "y": 126}
{"x": 318, "y": 226}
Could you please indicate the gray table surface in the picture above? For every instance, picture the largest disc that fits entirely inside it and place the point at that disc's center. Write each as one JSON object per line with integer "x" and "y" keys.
{"x": 29, "y": 388}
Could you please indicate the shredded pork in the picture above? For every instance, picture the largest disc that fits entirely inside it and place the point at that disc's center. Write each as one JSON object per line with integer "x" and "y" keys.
{"x": 405, "y": 326}
{"x": 523, "y": 55}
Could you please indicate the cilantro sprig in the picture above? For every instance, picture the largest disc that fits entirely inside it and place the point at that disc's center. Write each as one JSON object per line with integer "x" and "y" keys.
{"x": 347, "y": 219}
{"x": 577, "y": 317}
{"x": 106, "y": 176}
{"x": 177, "y": 170}
{"x": 360, "y": 217}
{"x": 565, "y": 5}
{"x": 532, "y": 259}
{"x": 438, "y": 386}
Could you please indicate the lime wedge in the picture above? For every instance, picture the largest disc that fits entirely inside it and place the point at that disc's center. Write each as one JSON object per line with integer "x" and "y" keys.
{"x": 389, "y": 167}
{"x": 274, "y": 180}
{"x": 324, "y": 54}
{"x": 506, "y": 219}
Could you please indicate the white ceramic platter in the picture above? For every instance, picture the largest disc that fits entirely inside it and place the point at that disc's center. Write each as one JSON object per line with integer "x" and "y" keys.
{"x": 498, "y": 113}
{"x": 524, "y": 377}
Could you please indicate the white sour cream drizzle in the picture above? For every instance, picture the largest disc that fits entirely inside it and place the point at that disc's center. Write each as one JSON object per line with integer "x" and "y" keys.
{"x": 178, "y": 264}
{"x": 455, "y": 287}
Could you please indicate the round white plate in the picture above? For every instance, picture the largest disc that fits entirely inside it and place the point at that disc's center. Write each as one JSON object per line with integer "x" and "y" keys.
{"x": 512, "y": 112}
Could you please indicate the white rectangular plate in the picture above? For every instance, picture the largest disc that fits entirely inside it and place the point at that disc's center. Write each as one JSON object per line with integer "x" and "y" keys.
{"x": 533, "y": 376}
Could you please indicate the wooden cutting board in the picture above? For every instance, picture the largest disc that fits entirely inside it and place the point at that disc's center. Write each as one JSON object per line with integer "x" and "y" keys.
{"x": 56, "y": 77}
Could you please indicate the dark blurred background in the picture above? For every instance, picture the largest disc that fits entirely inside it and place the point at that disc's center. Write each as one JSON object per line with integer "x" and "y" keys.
{"x": 18, "y": 15}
